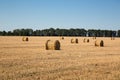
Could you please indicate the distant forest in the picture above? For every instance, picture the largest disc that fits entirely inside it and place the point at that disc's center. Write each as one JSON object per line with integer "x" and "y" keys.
{"x": 62, "y": 32}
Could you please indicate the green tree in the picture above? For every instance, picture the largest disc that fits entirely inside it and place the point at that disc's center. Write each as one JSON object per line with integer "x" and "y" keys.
{"x": 118, "y": 33}
{"x": 9, "y": 33}
{"x": 51, "y": 32}
{"x": 4, "y": 33}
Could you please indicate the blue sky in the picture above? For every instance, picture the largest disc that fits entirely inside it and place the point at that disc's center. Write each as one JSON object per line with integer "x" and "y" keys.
{"x": 42, "y": 14}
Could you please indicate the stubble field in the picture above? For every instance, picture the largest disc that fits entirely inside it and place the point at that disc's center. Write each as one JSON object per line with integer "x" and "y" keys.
{"x": 83, "y": 61}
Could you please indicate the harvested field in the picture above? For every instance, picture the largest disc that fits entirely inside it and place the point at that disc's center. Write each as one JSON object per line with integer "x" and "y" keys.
{"x": 31, "y": 61}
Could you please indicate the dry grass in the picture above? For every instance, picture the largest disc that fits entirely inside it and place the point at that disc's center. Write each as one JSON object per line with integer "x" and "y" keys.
{"x": 30, "y": 61}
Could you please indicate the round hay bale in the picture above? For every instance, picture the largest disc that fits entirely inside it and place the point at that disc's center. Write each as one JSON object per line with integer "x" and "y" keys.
{"x": 52, "y": 45}
{"x": 112, "y": 38}
{"x": 71, "y": 40}
{"x": 25, "y": 39}
{"x": 99, "y": 43}
{"x": 74, "y": 40}
{"x": 62, "y": 38}
{"x": 86, "y": 40}
{"x": 94, "y": 38}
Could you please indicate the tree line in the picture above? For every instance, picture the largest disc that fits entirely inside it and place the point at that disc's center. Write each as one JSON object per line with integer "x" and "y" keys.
{"x": 62, "y": 32}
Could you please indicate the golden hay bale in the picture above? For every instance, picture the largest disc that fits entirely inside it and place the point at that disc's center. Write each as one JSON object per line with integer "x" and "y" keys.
{"x": 52, "y": 45}
{"x": 25, "y": 39}
{"x": 99, "y": 43}
{"x": 112, "y": 38}
{"x": 74, "y": 40}
{"x": 86, "y": 40}
{"x": 94, "y": 37}
{"x": 62, "y": 38}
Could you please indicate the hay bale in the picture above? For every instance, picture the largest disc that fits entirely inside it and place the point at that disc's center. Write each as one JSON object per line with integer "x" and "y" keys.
{"x": 25, "y": 39}
{"x": 112, "y": 38}
{"x": 52, "y": 45}
{"x": 62, "y": 38}
{"x": 99, "y": 43}
{"x": 94, "y": 38}
{"x": 74, "y": 40}
{"x": 86, "y": 40}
